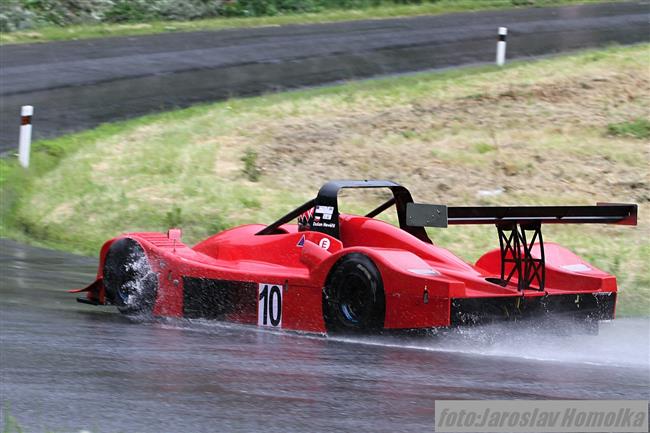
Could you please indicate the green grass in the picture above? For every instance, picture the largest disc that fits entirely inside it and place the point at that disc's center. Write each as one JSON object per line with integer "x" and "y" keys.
{"x": 638, "y": 128}
{"x": 251, "y": 169}
{"x": 55, "y": 33}
{"x": 9, "y": 422}
{"x": 484, "y": 147}
{"x": 539, "y": 131}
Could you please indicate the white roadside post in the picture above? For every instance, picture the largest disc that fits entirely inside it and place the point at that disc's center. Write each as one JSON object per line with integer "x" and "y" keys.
{"x": 501, "y": 46}
{"x": 25, "y": 140}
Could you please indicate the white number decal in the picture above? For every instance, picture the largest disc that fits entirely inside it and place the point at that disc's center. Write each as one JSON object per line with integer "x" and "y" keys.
{"x": 324, "y": 244}
{"x": 269, "y": 305}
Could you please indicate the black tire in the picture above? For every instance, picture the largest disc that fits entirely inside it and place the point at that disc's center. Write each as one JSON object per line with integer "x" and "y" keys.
{"x": 353, "y": 299}
{"x": 130, "y": 283}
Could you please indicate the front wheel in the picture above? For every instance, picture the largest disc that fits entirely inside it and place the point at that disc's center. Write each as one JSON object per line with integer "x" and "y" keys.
{"x": 129, "y": 281}
{"x": 353, "y": 299}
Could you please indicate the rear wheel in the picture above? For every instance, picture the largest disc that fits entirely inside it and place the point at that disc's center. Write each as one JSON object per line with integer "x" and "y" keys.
{"x": 130, "y": 282}
{"x": 353, "y": 299}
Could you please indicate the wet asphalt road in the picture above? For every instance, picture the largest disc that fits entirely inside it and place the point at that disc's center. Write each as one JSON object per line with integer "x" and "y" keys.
{"x": 79, "y": 84}
{"x": 68, "y": 367}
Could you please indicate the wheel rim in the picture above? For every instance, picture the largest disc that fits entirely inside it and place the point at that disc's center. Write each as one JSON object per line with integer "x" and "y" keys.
{"x": 123, "y": 293}
{"x": 355, "y": 298}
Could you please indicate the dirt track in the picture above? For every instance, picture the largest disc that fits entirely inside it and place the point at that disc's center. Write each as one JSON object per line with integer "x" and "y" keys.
{"x": 79, "y": 84}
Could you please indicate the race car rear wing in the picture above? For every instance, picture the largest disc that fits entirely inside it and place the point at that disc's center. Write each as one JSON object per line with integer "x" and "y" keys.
{"x": 513, "y": 224}
{"x": 433, "y": 215}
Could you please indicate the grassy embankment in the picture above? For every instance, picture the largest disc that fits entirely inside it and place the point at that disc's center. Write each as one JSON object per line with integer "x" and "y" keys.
{"x": 72, "y": 32}
{"x": 568, "y": 130}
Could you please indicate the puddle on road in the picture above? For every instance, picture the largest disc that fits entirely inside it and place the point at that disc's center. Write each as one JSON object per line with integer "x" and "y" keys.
{"x": 623, "y": 342}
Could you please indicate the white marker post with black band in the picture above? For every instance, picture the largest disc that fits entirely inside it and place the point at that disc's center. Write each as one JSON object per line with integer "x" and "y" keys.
{"x": 25, "y": 140}
{"x": 501, "y": 46}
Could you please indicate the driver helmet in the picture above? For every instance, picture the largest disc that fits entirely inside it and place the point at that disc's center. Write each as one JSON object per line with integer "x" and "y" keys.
{"x": 303, "y": 220}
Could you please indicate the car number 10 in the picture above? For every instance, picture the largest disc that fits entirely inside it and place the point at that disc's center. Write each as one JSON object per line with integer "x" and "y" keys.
{"x": 269, "y": 306}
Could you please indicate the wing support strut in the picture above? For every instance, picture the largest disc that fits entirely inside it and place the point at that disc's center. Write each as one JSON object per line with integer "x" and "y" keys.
{"x": 516, "y": 245}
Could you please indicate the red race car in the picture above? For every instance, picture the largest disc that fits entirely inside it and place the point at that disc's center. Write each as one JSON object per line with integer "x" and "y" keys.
{"x": 335, "y": 272}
